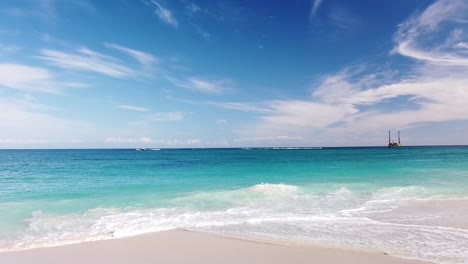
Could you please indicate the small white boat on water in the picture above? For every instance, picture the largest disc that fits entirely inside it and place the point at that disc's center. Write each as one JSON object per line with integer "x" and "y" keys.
{"x": 140, "y": 149}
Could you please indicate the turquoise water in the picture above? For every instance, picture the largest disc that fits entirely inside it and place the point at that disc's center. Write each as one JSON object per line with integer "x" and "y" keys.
{"x": 410, "y": 202}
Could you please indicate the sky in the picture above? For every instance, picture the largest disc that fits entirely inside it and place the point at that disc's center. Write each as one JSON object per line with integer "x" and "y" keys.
{"x": 219, "y": 73}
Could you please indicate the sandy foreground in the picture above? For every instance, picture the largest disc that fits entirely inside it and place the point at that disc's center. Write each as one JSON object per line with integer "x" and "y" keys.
{"x": 191, "y": 247}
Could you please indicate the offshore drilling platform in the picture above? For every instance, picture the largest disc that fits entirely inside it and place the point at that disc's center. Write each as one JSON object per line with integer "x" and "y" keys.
{"x": 393, "y": 144}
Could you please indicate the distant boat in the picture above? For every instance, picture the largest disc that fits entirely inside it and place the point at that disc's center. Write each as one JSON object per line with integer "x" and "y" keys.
{"x": 140, "y": 149}
{"x": 155, "y": 149}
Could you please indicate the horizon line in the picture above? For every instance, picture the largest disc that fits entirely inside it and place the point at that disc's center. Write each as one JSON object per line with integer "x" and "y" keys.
{"x": 276, "y": 147}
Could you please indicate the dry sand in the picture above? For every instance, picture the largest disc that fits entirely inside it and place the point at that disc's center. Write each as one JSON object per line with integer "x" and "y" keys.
{"x": 193, "y": 248}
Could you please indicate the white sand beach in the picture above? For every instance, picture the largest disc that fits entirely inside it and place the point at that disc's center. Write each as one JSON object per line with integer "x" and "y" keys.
{"x": 192, "y": 247}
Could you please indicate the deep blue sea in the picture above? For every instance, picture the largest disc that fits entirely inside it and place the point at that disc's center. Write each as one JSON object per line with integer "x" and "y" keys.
{"x": 411, "y": 202}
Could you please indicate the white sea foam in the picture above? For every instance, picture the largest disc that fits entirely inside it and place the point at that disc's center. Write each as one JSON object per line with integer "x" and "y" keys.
{"x": 407, "y": 192}
{"x": 399, "y": 220}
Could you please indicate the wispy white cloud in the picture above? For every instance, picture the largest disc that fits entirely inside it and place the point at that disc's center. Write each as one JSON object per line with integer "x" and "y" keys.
{"x": 305, "y": 114}
{"x": 413, "y": 37}
{"x": 133, "y": 108}
{"x": 84, "y": 59}
{"x": 434, "y": 57}
{"x": 262, "y": 107}
{"x": 169, "y": 116}
{"x": 32, "y": 79}
{"x": 342, "y": 87}
{"x": 215, "y": 87}
{"x": 87, "y": 60}
{"x": 144, "y": 58}
{"x": 259, "y": 107}
{"x": 160, "y": 117}
{"x": 461, "y": 45}
{"x": 165, "y": 15}
{"x": 315, "y": 6}
{"x": 142, "y": 140}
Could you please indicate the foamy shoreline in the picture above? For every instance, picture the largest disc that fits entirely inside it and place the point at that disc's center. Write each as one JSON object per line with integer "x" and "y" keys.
{"x": 192, "y": 247}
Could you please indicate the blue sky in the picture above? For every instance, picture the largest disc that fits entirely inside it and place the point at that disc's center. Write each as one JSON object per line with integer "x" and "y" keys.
{"x": 218, "y": 73}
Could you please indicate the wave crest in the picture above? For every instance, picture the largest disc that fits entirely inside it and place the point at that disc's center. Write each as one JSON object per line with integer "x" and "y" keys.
{"x": 273, "y": 190}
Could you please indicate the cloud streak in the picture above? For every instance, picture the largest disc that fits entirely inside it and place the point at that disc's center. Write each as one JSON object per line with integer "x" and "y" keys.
{"x": 447, "y": 18}
{"x": 143, "y": 58}
{"x": 168, "y": 116}
{"x": 315, "y": 7}
{"x": 165, "y": 15}
{"x": 133, "y": 108}
{"x": 213, "y": 87}
{"x": 87, "y": 60}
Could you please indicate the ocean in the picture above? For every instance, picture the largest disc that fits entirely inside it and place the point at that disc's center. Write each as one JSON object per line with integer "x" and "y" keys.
{"x": 410, "y": 202}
